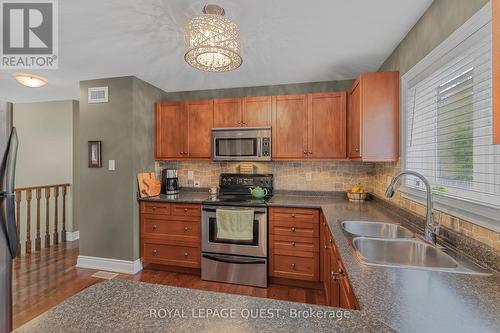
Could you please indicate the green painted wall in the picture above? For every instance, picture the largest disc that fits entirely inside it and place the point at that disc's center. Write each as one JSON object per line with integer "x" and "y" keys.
{"x": 440, "y": 20}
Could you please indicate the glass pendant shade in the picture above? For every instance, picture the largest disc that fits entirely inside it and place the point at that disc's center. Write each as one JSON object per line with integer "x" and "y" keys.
{"x": 213, "y": 42}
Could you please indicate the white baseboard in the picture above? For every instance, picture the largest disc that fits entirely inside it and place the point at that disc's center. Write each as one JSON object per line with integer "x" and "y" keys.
{"x": 107, "y": 264}
{"x": 72, "y": 235}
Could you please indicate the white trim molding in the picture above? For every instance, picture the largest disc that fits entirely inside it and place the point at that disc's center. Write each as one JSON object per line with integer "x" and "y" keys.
{"x": 108, "y": 264}
{"x": 72, "y": 235}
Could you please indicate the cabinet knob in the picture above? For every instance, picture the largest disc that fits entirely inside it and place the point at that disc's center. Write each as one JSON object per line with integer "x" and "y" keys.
{"x": 154, "y": 226}
{"x": 293, "y": 215}
{"x": 154, "y": 207}
{"x": 293, "y": 243}
{"x": 331, "y": 240}
{"x": 185, "y": 210}
{"x": 356, "y": 150}
{"x": 310, "y": 152}
{"x": 185, "y": 254}
{"x": 244, "y": 123}
{"x": 154, "y": 252}
{"x": 293, "y": 229}
{"x": 239, "y": 122}
{"x": 293, "y": 266}
{"x": 334, "y": 276}
{"x": 186, "y": 228}
{"x": 305, "y": 152}
{"x": 341, "y": 271}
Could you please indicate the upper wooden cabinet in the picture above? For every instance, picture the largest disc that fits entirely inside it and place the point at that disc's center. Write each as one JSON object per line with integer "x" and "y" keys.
{"x": 326, "y": 126}
{"x": 373, "y": 117}
{"x": 242, "y": 112}
{"x": 309, "y": 126}
{"x": 256, "y": 111}
{"x": 289, "y": 123}
{"x": 183, "y": 130}
{"x": 200, "y": 120}
{"x": 227, "y": 112}
{"x": 170, "y": 136}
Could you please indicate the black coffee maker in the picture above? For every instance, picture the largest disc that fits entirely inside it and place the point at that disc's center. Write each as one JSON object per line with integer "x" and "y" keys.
{"x": 169, "y": 182}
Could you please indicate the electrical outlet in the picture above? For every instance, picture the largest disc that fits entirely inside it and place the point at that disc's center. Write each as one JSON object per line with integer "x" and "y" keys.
{"x": 111, "y": 165}
{"x": 190, "y": 175}
{"x": 197, "y": 183}
{"x": 309, "y": 176}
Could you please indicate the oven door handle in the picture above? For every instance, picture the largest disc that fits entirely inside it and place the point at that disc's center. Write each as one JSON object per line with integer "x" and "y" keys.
{"x": 228, "y": 260}
{"x": 211, "y": 210}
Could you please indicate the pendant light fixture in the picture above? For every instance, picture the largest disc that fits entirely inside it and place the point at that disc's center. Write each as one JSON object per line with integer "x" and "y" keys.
{"x": 212, "y": 41}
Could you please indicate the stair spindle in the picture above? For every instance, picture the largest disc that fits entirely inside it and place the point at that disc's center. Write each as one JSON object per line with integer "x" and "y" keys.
{"x": 38, "y": 240}
{"x": 47, "y": 217}
{"x": 28, "y": 221}
{"x": 65, "y": 191}
{"x": 18, "y": 220}
{"x": 56, "y": 222}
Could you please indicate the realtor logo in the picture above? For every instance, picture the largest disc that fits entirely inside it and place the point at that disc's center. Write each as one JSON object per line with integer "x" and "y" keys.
{"x": 29, "y": 36}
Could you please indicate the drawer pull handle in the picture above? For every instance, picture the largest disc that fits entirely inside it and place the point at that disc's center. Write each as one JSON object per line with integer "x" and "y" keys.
{"x": 185, "y": 254}
{"x": 154, "y": 252}
{"x": 293, "y": 266}
{"x": 154, "y": 226}
{"x": 293, "y": 229}
{"x": 186, "y": 228}
{"x": 293, "y": 243}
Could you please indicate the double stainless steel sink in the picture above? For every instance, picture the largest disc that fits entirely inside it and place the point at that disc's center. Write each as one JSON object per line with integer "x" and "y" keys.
{"x": 392, "y": 245}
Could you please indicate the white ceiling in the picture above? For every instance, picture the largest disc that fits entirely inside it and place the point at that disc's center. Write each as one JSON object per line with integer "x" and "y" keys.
{"x": 285, "y": 41}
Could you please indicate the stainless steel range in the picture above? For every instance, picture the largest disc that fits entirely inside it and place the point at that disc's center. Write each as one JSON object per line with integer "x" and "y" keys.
{"x": 237, "y": 255}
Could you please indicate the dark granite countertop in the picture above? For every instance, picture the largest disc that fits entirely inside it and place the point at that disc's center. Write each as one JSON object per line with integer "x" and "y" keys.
{"x": 126, "y": 306}
{"x": 407, "y": 300}
{"x": 184, "y": 196}
{"x": 404, "y": 300}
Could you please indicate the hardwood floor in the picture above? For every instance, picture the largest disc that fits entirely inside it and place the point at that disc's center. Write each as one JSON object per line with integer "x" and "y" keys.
{"x": 46, "y": 278}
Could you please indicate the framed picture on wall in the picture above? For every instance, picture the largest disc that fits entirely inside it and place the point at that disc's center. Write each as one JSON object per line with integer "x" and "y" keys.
{"x": 95, "y": 160}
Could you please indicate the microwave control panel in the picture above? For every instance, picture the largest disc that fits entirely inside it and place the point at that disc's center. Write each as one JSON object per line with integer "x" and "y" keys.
{"x": 266, "y": 146}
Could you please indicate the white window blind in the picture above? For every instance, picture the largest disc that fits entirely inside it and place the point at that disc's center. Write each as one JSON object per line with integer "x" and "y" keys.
{"x": 448, "y": 126}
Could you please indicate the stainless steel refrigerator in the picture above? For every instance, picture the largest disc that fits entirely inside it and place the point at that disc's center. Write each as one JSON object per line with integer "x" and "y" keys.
{"x": 8, "y": 232}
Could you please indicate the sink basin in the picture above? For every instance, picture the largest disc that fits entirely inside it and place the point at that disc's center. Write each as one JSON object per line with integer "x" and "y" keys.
{"x": 376, "y": 229}
{"x": 402, "y": 253}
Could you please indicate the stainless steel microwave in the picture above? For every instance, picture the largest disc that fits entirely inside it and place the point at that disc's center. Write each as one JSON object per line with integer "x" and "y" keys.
{"x": 241, "y": 144}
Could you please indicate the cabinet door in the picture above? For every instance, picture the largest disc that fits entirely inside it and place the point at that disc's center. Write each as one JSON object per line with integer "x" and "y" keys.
{"x": 327, "y": 126}
{"x": 334, "y": 292}
{"x": 256, "y": 111}
{"x": 170, "y": 134}
{"x": 200, "y": 121}
{"x": 354, "y": 123}
{"x": 289, "y": 127}
{"x": 227, "y": 112}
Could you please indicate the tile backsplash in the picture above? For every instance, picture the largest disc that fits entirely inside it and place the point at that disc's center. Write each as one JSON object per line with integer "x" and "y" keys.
{"x": 309, "y": 176}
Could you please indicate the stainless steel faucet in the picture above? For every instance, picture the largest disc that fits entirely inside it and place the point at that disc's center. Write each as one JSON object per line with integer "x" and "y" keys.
{"x": 431, "y": 230}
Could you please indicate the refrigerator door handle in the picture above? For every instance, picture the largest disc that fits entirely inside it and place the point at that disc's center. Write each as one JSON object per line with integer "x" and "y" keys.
{"x": 7, "y": 201}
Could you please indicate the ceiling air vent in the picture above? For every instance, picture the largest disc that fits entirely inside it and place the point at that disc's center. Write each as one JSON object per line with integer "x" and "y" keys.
{"x": 98, "y": 95}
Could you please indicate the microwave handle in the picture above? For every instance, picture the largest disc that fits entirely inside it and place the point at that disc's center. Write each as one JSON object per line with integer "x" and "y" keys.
{"x": 259, "y": 147}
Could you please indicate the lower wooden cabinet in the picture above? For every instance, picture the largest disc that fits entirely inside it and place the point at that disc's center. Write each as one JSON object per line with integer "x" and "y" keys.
{"x": 294, "y": 243}
{"x": 170, "y": 234}
{"x": 336, "y": 284}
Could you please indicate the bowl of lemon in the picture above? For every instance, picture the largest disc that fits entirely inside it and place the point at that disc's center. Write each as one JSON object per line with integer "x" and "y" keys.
{"x": 357, "y": 193}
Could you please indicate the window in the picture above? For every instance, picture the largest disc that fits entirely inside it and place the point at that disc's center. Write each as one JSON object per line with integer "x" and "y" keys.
{"x": 447, "y": 121}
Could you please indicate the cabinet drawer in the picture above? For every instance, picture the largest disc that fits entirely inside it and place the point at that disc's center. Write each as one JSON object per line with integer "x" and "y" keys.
{"x": 292, "y": 267}
{"x": 173, "y": 255}
{"x": 294, "y": 243}
{"x": 176, "y": 230}
{"x": 155, "y": 208}
{"x": 187, "y": 210}
{"x": 294, "y": 214}
{"x": 294, "y": 229}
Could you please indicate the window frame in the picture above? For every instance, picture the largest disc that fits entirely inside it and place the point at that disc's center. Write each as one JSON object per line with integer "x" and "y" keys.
{"x": 481, "y": 214}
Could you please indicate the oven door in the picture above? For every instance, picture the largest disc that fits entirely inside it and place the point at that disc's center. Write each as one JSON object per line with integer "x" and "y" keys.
{"x": 256, "y": 247}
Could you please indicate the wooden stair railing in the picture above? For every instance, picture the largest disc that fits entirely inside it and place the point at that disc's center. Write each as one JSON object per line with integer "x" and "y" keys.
{"x": 47, "y": 190}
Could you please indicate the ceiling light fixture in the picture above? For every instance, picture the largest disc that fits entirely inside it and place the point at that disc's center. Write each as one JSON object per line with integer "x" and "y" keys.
{"x": 30, "y": 80}
{"x": 212, "y": 41}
